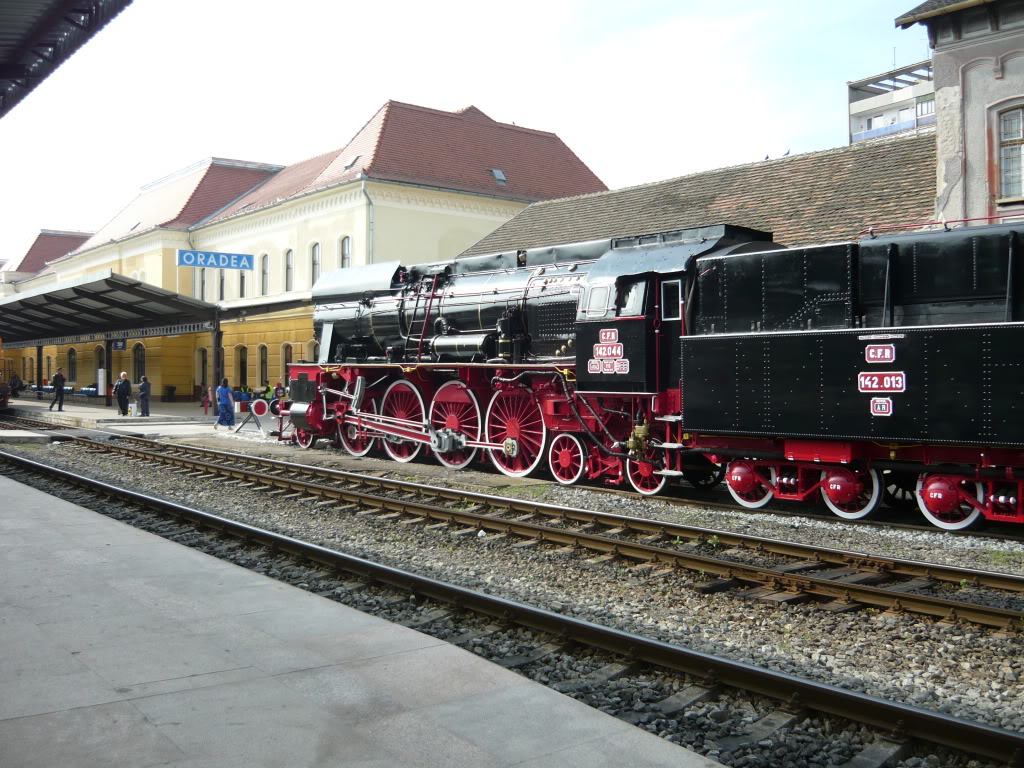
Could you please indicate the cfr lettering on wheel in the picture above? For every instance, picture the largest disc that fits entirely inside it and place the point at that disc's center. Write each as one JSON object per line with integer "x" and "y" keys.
{"x": 882, "y": 381}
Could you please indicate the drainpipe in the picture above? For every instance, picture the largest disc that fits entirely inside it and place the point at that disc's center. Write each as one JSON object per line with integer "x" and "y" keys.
{"x": 369, "y": 223}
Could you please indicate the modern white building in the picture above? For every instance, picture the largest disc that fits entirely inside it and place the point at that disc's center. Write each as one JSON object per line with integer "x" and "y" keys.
{"x": 899, "y": 100}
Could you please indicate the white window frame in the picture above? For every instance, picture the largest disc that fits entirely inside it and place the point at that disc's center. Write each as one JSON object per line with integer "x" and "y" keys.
{"x": 679, "y": 303}
{"x": 602, "y": 309}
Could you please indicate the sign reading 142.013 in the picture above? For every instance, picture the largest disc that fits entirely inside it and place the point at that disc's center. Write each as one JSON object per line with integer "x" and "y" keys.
{"x": 882, "y": 381}
{"x": 216, "y": 260}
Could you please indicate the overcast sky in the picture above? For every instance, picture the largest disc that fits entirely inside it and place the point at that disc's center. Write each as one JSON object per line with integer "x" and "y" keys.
{"x": 641, "y": 91}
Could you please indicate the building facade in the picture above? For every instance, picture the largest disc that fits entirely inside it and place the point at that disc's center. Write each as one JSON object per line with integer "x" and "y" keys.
{"x": 414, "y": 184}
{"x": 978, "y": 66}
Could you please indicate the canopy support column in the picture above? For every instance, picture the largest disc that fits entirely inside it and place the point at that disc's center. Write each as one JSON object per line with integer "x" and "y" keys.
{"x": 39, "y": 369}
{"x": 109, "y": 357}
{"x": 217, "y": 340}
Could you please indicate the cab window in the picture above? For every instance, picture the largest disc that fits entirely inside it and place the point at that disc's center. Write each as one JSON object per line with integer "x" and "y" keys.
{"x": 630, "y": 302}
{"x": 670, "y": 300}
{"x": 597, "y": 302}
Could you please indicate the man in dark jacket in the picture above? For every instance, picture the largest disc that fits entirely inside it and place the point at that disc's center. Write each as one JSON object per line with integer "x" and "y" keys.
{"x": 123, "y": 390}
{"x": 144, "y": 389}
{"x": 58, "y": 390}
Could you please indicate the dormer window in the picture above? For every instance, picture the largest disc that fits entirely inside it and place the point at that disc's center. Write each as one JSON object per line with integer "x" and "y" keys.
{"x": 351, "y": 162}
{"x": 499, "y": 175}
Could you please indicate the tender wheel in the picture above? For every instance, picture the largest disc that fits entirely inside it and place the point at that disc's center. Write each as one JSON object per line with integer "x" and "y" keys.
{"x": 455, "y": 408}
{"x": 941, "y": 500}
{"x": 514, "y": 418}
{"x": 704, "y": 479}
{"x": 304, "y": 439}
{"x": 402, "y": 401}
{"x": 851, "y": 495}
{"x": 356, "y": 442}
{"x": 566, "y": 458}
{"x": 745, "y": 486}
{"x": 641, "y": 474}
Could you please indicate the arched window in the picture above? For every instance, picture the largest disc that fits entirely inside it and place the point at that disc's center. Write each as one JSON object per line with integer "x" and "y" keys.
{"x": 314, "y": 263}
{"x": 241, "y": 283}
{"x": 72, "y": 365}
{"x": 264, "y": 275}
{"x": 220, "y": 286}
{"x": 242, "y": 366}
{"x": 24, "y": 365}
{"x": 138, "y": 362}
{"x": 100, "y": 355}
{"x": 289, "y": 270}
{"x": 203, "y": 367}
{"x": 201, "y": 285}
{"x": 264, "y": 365}
{"x": 312, "y": 351}
{"x": 345, "y": 252}
{"x": 286, "y": 359}
{"x": 49, "y": 367}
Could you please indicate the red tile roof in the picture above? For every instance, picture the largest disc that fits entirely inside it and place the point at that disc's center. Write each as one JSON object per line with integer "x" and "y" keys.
{"x": 49, "y": 245}
{"x": 450, "y": 150}
{"x": 816, "y": 197}
{"x": 183, "y": 199}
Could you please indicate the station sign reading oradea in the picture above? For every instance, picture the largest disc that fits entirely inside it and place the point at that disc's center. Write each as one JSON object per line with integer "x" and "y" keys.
{"x": 216, "y": 260}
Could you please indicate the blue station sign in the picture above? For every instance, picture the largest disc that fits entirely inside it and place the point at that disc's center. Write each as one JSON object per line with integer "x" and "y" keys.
{"x": 216, "y": 260}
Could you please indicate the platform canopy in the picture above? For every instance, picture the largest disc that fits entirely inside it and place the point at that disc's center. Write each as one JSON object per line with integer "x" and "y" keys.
{"x": 37, "y": 36}
{"x": 99, "y": 307}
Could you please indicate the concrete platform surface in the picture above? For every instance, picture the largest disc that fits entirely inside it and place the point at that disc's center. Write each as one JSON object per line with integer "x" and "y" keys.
{"x": 119, "y": 648}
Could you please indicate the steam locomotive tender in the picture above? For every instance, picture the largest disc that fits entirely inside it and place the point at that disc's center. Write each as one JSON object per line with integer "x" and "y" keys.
{"x": 888, "y": 367}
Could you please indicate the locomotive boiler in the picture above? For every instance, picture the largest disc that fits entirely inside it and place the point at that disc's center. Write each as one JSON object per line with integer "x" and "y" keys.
{"x": 844, "y": 372}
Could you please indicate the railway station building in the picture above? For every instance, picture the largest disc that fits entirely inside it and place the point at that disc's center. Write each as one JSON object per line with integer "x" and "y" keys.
{"x": 414, "y": 184}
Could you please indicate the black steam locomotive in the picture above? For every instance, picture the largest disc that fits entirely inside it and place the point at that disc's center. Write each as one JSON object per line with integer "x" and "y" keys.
{"x": 851, "y": 371}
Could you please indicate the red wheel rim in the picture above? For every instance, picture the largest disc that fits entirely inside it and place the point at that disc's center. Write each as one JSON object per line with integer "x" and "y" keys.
{"x": 642, "y": 475}
{"x": 455, "y": 408}
{"x": 869, "y": 493}
{"x": 304, "y": 439}
{"x": 516, "y": 416}
{"x": 759, "y": 496}
{"x": 355, "y": 440}
{"x": 566, "y": 459}
{"x": 402, "y": 401}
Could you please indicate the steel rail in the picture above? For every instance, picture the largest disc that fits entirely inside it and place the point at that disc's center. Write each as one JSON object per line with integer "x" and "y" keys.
{"x": 849, "y": 593}
{"x": 638, "y": 525}
{"x": 934, "y": 727}
{"x": 691, "y": 500}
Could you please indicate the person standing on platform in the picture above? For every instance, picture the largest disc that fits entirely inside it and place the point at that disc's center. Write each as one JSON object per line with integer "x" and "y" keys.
{"x": 225, "y": 405}
{"x": 123, "y": 390}
{"x": 58, "y": 390}
{"x": 144, "y": 389}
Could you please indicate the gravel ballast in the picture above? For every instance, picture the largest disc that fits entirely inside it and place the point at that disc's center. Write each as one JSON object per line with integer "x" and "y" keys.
{"x": 961, "y": 670}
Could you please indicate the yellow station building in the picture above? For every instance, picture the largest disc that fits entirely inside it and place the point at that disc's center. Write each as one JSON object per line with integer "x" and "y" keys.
{"x": 414, "y": 184}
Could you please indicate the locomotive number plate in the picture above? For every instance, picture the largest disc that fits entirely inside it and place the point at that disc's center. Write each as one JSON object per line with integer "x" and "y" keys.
{"x": 883, "y": 381}
{"x": 608, "y": 351}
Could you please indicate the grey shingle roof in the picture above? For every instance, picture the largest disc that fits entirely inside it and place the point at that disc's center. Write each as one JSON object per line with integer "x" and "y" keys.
{"x": 811, "y": 198}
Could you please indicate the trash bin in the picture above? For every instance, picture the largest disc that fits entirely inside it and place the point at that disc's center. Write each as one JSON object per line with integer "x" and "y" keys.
{"x": 169, "y": 394}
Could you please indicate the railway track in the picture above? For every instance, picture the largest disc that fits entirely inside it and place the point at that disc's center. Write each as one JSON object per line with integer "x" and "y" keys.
{"x": 708, "y": 675}
{"x": 678, "y": 496}
{"x": 753, "y": 567}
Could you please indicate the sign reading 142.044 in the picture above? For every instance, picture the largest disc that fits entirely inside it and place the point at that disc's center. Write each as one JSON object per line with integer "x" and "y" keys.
{"x": 216, "y": 260}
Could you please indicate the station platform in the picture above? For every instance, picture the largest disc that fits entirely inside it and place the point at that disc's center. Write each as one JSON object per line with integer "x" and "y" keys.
{"x": 118, "y": 647}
